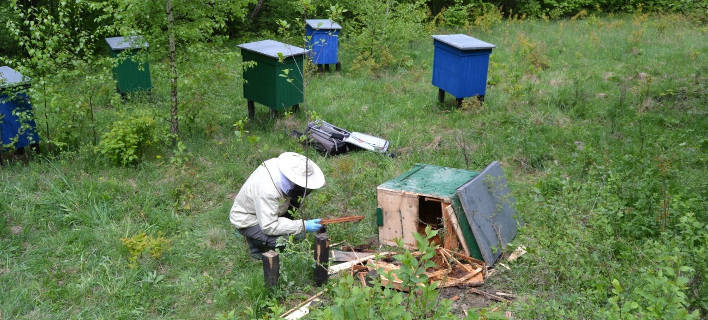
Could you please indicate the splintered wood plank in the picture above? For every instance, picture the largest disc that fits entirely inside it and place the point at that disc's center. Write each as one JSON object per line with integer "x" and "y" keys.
{"x": 451, "y": 241}
{"x": 456, "y": 226}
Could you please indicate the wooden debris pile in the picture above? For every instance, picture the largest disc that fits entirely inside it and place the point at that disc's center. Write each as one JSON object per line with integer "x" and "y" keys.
{"x": 451, "y": 269}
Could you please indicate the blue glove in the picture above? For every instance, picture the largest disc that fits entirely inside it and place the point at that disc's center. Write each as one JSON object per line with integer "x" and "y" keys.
{"x": 313, "y": 225}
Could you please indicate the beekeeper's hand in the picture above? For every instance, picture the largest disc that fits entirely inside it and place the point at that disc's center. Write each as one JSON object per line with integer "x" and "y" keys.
{"x": 313, "y": 225}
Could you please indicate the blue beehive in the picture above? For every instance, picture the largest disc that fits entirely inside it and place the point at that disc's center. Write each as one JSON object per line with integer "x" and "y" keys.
{"x": 460, "y": 66}
{"x": 323, "y": 41}
{"x": 17, "y": 126}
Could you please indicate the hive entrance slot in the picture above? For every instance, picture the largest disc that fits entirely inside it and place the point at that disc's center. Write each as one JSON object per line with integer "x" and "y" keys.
{"x": 430, "y": 214}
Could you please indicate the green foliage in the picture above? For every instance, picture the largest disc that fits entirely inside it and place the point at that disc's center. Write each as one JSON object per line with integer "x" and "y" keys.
{"x": 8, "y": 46}
{"x": 382, "y": 33}
{"x": 661, "y": 297}
{"x": 58, "y": 48}
{"x": 196, "y": 21}
{"x": 128, "y": 139}
{"x": 185, "y": 179}
{"x": 352, "y": 301}
{"x": 696, "y": 9}
{"x": 52, "y": 38}
{"x": 141, "y": 246}
{"x": 603, "y": 150}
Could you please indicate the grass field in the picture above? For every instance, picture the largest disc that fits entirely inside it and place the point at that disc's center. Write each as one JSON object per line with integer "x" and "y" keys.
{"x": 599, "y": 123}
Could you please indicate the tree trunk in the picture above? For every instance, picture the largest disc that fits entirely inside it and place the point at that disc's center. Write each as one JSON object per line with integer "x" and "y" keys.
{"x": 255, "y": 10}
{"x": 174, "y": 128}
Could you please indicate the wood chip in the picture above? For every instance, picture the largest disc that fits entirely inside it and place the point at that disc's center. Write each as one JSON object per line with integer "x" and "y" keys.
{"x": 520, "y": 250}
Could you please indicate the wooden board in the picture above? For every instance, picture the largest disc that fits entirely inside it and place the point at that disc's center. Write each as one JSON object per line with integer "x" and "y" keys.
{"x": 390, "y": 202}
{"x": 456, "y": 226}
{"x": 400, "y": 215}
{"x": 409, "y": 219}
{"x": 451, "y": 241}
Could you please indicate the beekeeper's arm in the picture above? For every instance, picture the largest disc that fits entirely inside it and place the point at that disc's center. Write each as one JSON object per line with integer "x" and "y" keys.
{"x": 269, "y": 207}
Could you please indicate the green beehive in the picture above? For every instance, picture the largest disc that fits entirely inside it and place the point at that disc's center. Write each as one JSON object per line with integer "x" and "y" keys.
{"x": 130, "y": 74}
{"x": 271, "y": 82}
{"x": 475, "y": 209}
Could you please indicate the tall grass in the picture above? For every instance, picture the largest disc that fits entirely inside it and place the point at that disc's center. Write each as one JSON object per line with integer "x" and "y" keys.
{"x": 599, "y": 123}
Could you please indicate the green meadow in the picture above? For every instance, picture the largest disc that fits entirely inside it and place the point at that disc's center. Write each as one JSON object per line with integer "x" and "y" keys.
{"x": 599, "y": 123}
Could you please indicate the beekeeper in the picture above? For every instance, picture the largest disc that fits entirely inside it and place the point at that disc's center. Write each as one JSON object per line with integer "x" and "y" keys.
{"x": 260, "y": 209}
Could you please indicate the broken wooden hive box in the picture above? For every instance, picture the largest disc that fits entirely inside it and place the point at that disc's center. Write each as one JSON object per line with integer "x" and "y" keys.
{"x": 473, "y": 211}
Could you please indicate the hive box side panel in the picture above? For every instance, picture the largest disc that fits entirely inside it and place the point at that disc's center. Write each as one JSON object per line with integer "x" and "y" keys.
{"x": 16, "y": 132}
{"x": 409, "y": 219}
{"x": 289, "y": 84}
{"x": 446, "y": 69}
{"x": 259, "y": 84}
{"x": 390, "y": 203}
{"x": 132, "y": 74}
{"x": 324, "y": 45}
{"x": 400, "y": 217}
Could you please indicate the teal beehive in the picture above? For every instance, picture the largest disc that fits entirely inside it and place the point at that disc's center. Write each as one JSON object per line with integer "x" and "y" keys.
{"x": 276, "y": 79}
{"x": 475, "y": 209}
{"x": 131, "y": 74}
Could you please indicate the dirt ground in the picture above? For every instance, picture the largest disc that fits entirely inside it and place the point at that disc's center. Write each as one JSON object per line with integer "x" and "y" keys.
{"x": 464, "y": 300}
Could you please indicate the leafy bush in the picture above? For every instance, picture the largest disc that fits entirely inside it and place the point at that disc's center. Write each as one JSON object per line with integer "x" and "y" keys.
{"x": 352, "y": 301}
{"x": 141, "y": 245}
{"x": 128, "y": 139}
{"x": 696, "y": 9}
{"x": 662, "y": 296}
{"x": 383, "y": 32}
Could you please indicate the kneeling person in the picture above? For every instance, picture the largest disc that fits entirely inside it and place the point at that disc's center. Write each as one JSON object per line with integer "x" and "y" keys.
{"x": 260, "y": 209}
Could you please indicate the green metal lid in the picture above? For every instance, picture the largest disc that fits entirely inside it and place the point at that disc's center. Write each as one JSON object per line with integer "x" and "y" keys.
{"x": 430, "y": 180}
{"x": 323, "y": 24}
{"x": 272, "y": 48}
{"x": 463, "y": 42}
{"x": 120, "y": 43}
{"x": 11, "y": 78}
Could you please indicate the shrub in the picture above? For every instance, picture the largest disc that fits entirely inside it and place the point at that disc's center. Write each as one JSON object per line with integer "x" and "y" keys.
{"x": 142, "y": 244}
{"x": 128, "y": 139}
{"x": 383, "y": 32}
{"x": 353, "y": 301}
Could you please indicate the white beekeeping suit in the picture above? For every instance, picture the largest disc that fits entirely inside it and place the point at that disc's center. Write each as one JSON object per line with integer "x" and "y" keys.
{"x": 263, "y": 197}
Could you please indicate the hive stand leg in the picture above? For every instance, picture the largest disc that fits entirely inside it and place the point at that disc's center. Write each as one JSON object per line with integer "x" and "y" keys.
{"x": 319, "y": 68}
{"x": 271, "y": 268}
{"x": 338, "y": 67}
{"x": 327, "y": 67}
{"x": 321, "y": 259}
{"x": 251, "y": 110}
{"x": 274, "y": 113}
{"x": 459, "y": 102}
{"x": 441, "y": 95}
{"x": 296, "y": 108}
{"x": 480, "y": 98}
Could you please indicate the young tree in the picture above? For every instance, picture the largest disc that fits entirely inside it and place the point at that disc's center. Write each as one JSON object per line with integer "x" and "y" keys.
{"x": 190, "y": 24}
{"x": 56, "y": 44}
